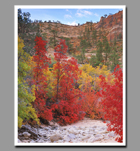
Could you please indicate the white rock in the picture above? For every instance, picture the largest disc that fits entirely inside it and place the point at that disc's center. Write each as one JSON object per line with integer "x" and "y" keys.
{"x": 99, "y": 135}
{"x": 71, "y": 136}
{"x": 97, "y": 139}
{"x": 90, "y": 129}
{"x": 19, "y": 141}
{"x": 32, "y": 141}
{"x": 84, "y": 134}
{"x": 71, "y": 130}
{"x": 60, "y": 141}
{"x": 105, "y": 135}
{"x": 41, "y": 141}
{"x": 80, "y": 127}
{"x": 104, "y": 128}
{"x": 66, "y": 142}
{"x": 63, "y": 128}
{"x": 25, "y": 141}
{"x": 53, "y": 123}
{"x": 47, "y": 128}
{"x": 78, "y": 135}
{"x": 94, "y": 126}
{"x": 75, "y": 127}
{"x": 81, "y": 131}
{"x": 57, "y": 132}
{"x": 74, "y": 141}
{"x": 85, "y": 137}
{"x": 43, "y": 133}
{"x": 111, "y": 134}
{"x": 26, "y": 134}
{"x": 79, "y": 140}
{"x": 101, "y": 131}
{"x": 91, "y": 139}
{"x": 67, "y": 139}
{"x": 75, "y": 132}
{"x": 106, "y": 138}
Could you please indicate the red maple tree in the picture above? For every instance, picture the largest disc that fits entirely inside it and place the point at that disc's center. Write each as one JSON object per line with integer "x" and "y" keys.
{"x": 67, "y": 96}
{"x": 40, "y": 81}
{"x": 112, "y": 101}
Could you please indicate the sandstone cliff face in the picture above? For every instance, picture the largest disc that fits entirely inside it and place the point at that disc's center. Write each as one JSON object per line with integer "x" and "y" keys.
{"x": 111, "y": 27}
{"x": 114, "y": 25}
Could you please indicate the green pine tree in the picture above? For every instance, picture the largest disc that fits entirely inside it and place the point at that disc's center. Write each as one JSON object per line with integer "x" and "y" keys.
{"x": 99, "y": 55}
{"x": 81, "y": 57}
{"x": 27, "y": 30}
{"x": 114, "y": 57}
{"x": 106, "y": 50}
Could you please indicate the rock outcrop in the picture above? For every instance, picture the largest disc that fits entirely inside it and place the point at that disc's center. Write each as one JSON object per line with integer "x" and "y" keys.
{"x": 112, "y": 26}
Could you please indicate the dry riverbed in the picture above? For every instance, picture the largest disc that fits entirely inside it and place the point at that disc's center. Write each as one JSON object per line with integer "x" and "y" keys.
{"x": 84, "y": 131}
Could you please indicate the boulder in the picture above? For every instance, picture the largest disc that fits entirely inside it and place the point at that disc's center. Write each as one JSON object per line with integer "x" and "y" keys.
{"x": 52, "y": 123}
{"x": 28, "y": 129}
{"x": 56, "y": 137}
{"x": 26, "y": 134}
{"x": 71, "y": 130}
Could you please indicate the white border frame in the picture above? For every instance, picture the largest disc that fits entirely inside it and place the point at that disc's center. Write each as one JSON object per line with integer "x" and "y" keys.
{"x": 16, "y": 72}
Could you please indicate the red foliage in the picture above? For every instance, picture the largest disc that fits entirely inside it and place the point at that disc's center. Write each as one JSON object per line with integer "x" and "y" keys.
{"x": 68, "y": 113}
{"x": 67, "y": 96}
{"x": 40, "y": 81}
{"x": 91, "y": 104}
{"x": 112, "y": 101}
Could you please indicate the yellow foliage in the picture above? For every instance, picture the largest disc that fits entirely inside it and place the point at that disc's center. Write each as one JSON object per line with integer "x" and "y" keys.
{"x": 25, "y": 98}
{"x": 50, "y": 81}
{"x": 33, "y": 90}
{"x": 31, "y": 63}
{"x": 20, "y": 120}
{"x": 91, "y": 75}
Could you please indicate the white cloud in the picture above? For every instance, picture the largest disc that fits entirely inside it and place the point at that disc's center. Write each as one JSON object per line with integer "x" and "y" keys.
{"x": 68, "y": 16}
{"x": 72, "y": 23}
{"x": 87, "y": 12}
{"x": 83, "y": 13}
{"x": 96, "y": 15}
{"x": 79, "y": 14}
{"x": 69, "y": 11}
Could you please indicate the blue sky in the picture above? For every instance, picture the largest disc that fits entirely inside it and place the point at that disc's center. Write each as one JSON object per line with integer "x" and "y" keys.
{"x": 69, "y": 16}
